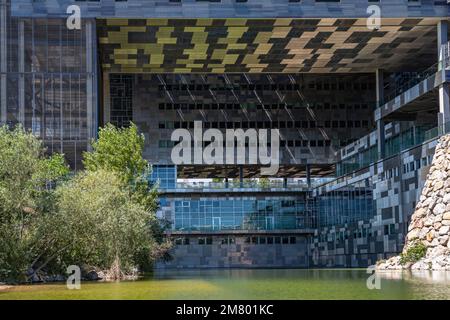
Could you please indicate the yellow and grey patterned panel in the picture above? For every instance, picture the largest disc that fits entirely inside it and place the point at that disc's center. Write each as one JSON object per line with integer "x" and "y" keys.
{"x": 264, "y": 45}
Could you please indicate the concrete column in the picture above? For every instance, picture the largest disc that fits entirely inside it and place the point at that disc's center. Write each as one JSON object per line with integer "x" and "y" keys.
{"x": 379, "y": 78}
{"x": 21, "y": 80}
{"x": 91, "y": 79}
{"x": 106, "y": 99}
{"x": 308, "y": 175}
{"x": 442, "y": 39}
{"x": 381, "y": 139}
{"x": 3, "y": 60}
{"x": 444, "y": 102}
{"x": 241, "y": 176}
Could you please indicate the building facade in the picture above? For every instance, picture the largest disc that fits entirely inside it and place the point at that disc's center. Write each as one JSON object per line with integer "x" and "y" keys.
{"x": 358, "y": 109}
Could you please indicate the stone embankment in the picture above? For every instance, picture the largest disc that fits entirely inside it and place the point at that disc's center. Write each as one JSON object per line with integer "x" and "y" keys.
{"x": 429, "y": 230}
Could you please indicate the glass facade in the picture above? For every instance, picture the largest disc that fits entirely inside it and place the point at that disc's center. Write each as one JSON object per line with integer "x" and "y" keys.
{"x": 394, "y": 145}
{"x": 247, "y": 213}
{"x": 48, "y": 81}
{"x": 346, "y": 205}
{"x": 164, "y": 175}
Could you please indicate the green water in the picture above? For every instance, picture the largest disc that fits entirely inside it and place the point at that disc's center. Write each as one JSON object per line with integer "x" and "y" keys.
{"x": 250, "y": 284}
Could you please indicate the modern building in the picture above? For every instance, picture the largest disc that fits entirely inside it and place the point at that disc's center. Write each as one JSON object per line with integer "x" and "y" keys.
{"x": 359, "y": 103}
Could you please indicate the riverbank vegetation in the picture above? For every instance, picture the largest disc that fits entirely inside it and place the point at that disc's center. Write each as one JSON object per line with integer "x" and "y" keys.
{"x": 102, "y": 218}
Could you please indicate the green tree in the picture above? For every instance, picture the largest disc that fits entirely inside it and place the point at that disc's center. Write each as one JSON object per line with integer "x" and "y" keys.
{"x": 26, "y": 193}
{"x": 99, "y": 224}
{"x": 120, "y": 150}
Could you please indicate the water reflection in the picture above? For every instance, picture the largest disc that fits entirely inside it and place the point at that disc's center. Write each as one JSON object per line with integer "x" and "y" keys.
{"x": 417, "y": 276}
{"x": 423, "y": 284}
{"x": 340, "y": 284}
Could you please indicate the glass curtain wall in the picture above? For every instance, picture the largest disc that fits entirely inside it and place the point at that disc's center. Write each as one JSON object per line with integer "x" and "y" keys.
{"x": 349, "y": 204}
{"x": 241, "y": 214}
{"x": 48, "y": 81}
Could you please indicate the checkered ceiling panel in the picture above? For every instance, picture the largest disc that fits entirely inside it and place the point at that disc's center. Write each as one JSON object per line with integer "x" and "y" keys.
{"x": 264, "y": 45}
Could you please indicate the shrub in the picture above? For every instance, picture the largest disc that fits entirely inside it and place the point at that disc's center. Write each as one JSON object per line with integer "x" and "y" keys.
{"x": 414, "y": 253}
{"x": 26, "y": 197}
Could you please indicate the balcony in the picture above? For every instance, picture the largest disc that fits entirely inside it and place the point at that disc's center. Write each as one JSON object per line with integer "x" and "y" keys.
{"x": 247, "y": 185}
{"x": 407, "y": 139}
{"x": 415, "y": 94}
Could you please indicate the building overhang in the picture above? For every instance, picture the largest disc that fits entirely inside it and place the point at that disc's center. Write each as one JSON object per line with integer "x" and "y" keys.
{"x": 288, "y": 45}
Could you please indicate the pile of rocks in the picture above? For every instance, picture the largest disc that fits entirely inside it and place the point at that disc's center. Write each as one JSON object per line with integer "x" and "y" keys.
{"x": 430, "y": 223}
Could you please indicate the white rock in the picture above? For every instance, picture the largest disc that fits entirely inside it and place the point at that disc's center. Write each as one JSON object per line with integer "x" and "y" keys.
{"x": 413, "y": 234}
{"x": 434, "y": 243}
{"x": 437, "y": 251}
{"x": 444, "y": 230}
{"x": 438, "y": 185}
{"x": 421, "y": 213}
{"x": 428, "y": 222}
{"x": 439, "y": 209}
{"x": 443, "y": 240}
{"x": 447, "y": 198}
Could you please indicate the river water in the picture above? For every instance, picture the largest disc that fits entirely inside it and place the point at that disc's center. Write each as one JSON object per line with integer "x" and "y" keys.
{"x": 252, "y": 284}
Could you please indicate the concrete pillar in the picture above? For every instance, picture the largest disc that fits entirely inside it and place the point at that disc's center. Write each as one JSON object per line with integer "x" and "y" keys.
{"x": 444, "y": 104}
{"x": 3, "y": 61}
{"x": 91, "y": 79}
{"x": 444, "y": 101}
{"x": 308, "y": 175}
{"x": 241, "y": 176}
{"x": 381, "y": 139}
{"x": 106, "y": 99}
{"x": 379, "y": 82}
{"x": 379, "y": 78}
{"x": 442, "y": 39}
{"x": 21, "y": 79}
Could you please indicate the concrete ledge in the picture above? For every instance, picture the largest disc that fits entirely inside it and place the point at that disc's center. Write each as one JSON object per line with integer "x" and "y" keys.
{"x": 240, "y": 232}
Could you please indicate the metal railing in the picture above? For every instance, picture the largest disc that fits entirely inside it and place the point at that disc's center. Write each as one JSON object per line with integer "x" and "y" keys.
{"x": 405, "y": 86}
{"x": 444, "y": 63}
{"x": 446, "y": 55}
{"x": 394, "y": 145}
{"x": 248, "y": 184}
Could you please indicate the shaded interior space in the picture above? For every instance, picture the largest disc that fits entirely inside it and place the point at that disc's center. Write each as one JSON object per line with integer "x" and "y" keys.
{"x": 425, "y": 107}
{"x": 316, "y": 114}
